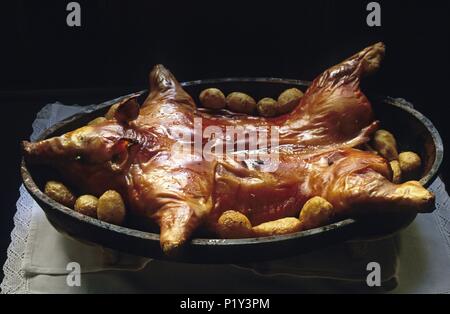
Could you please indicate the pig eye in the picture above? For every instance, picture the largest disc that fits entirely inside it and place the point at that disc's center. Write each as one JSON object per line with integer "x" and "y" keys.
{"x": 80, "y": 159}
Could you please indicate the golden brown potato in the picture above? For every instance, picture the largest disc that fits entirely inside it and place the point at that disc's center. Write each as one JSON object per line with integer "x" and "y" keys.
{"x": 267, "y": 107}
{"x": 240, "y": 102}
{"x": 234, "y": 225}
{"x": 288, "y": 100}
{"x": 410, "y": 164}
{"x": 277, "y": 227}
{"x": 396, "y": 171}
{"x": 213, "y": 98}
{"x": 97, "y": 121}
{"x": 423, "y": 200}
{"x": 60, "y": 193}
{"x": 316, "y": 212}
{"x": 112, "y": 111}
{"x": 111, "y": 208}
{"x": 384, "y": 142}
{"x": 87, "y": 205}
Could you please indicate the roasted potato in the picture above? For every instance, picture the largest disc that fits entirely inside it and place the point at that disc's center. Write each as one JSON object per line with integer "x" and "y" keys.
{"x": 410, "y": 164}
{"x": 87, "y": 205}
{"x": 97, "y": 121}
{"x": 384, "y": 142}
{"x": 111, "y": 208}
{"x": 396, "y": 171}
{"x": 234, "y": 225}
{"x": 60, "y": 193}
{"x": 213, "y": 98}
{"x": 241, "y": 103}
{"x": 267, "y": 107}
{"x": 316, "y": 212}
{"x": 277, "y": 227}
{"x": 423, "y": 200}
{"x": 288, "y": 100}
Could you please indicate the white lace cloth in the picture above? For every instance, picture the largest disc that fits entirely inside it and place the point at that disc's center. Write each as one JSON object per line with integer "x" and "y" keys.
{"x": 416, "y": 261}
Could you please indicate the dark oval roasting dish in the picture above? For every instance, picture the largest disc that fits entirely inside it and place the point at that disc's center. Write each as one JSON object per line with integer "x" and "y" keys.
{"x": 413, "y": 132}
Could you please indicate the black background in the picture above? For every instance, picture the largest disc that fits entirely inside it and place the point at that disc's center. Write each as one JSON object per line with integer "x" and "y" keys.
{"x": 43, "y": 60}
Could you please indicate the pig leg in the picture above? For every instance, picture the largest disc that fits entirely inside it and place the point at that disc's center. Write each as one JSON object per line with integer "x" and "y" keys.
{"x": 178, "y": 198}
{"x": 360, "y": 183}
{"x": 177, "y": 219}
{"x": 370, "y": 190}
{"x": 357, "y": 182}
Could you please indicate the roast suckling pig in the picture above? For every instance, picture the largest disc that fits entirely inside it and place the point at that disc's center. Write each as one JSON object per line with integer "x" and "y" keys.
{"x": 138, "y": 154}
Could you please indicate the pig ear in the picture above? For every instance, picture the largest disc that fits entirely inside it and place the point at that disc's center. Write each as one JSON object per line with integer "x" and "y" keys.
{"x": 127, "y": 110}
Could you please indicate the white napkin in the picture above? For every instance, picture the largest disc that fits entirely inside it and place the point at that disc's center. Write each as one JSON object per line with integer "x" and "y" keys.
{"x": 49, "y": 252}
{"x": 38, "y": 258}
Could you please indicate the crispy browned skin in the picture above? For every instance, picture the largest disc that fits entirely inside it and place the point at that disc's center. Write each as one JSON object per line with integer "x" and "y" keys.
{"x": 135, "y": 154}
